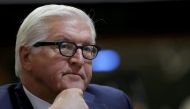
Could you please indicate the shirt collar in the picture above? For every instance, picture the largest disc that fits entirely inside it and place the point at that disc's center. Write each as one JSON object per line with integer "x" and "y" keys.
{"x": 36, "y": 102}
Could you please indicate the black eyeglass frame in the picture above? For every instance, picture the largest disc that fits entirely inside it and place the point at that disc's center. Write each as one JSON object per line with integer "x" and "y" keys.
{"x": 38, "y": 44}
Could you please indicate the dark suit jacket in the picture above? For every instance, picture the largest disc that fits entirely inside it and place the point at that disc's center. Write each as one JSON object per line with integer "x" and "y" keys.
{"x": 12, "y": 96}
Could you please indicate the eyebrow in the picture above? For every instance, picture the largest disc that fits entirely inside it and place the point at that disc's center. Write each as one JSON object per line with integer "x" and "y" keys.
{"x": 68, "y": 39}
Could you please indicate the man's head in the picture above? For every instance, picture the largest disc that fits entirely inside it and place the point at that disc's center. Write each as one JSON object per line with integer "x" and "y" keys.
{"x": 54, "y": 49}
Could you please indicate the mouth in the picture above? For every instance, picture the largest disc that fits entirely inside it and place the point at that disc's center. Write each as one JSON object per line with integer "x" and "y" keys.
{"x": 73, "y": 75}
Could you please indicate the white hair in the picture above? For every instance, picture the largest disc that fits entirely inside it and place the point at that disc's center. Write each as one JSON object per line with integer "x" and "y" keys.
{"x": 34, "y": 28}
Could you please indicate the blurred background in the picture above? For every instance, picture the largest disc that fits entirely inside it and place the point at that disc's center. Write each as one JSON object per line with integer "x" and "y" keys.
{"x": 146, "y": 47}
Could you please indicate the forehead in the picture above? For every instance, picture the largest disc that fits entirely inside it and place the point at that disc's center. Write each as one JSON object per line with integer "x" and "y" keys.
{"x": 71, "y": 29}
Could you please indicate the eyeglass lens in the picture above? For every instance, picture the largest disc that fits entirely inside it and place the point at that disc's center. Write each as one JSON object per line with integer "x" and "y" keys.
{"x": 69, "y": 49}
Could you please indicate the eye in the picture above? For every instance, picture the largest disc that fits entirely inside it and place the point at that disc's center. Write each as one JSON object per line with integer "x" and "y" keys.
{"x": 67, "y": 49}
{"x": 88, "y": 48}
{"x": 67, "y": 46}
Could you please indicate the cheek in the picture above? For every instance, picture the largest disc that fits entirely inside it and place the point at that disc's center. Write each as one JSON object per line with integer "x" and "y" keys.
{"x": 55, "y": 69}
{"x": 52, "y": 53}
{"x": 50, "y": 74}
{"x": 48, "y": 70}
{"x": 48, "y": 65}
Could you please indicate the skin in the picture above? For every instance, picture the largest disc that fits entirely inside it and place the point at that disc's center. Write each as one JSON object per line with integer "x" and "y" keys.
{"x": 46, "y": 73}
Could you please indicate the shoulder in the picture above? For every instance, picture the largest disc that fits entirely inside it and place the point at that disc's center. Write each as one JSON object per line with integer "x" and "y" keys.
{"x": 4, "y": 93}
{"x": 101, "y": 89}
{"x": 4, "y": 90}
{"x": 109, "y": 95}
{"x": 5, "y": 99}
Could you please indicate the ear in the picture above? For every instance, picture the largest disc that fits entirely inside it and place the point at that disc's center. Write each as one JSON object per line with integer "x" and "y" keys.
{"x": 25, "y": 58}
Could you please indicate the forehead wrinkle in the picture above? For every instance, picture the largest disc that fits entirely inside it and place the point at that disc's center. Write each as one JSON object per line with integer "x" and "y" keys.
{"x": 63, "y": 29}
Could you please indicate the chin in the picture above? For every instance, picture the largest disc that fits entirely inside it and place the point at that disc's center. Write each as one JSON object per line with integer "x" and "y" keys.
{"x": 73, "y": 84}
{"x": 79, "y": 86}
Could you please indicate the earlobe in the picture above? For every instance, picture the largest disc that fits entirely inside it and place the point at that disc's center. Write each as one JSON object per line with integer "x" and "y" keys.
{"x": 24, "y": 54}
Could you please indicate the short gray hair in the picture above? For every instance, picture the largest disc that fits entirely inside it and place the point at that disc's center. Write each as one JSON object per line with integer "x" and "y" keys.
{"x": 34, "y": 28}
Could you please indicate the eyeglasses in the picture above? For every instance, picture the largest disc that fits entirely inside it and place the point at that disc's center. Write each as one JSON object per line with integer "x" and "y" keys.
{"x": 68, "y": 49}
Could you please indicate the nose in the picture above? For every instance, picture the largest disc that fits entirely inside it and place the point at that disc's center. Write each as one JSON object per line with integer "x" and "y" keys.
{"x": 77, "y": 59}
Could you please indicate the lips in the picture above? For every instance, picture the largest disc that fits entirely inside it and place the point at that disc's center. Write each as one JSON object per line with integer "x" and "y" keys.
{"x": 77, "y": 74}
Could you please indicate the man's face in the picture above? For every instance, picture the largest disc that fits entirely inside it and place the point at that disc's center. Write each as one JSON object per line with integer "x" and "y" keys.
{"x": 55, "y": 72}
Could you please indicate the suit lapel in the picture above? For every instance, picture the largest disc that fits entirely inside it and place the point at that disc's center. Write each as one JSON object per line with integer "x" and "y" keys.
{"x": 19, "y": 98}
{"x": 92, "y": 103}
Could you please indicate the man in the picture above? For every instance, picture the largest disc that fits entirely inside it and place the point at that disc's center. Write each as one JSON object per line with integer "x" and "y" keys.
{"x": 54, "y": 50}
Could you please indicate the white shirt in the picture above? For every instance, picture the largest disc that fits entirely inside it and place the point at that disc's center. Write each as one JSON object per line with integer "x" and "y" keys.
{"x": 37, "y": 103}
